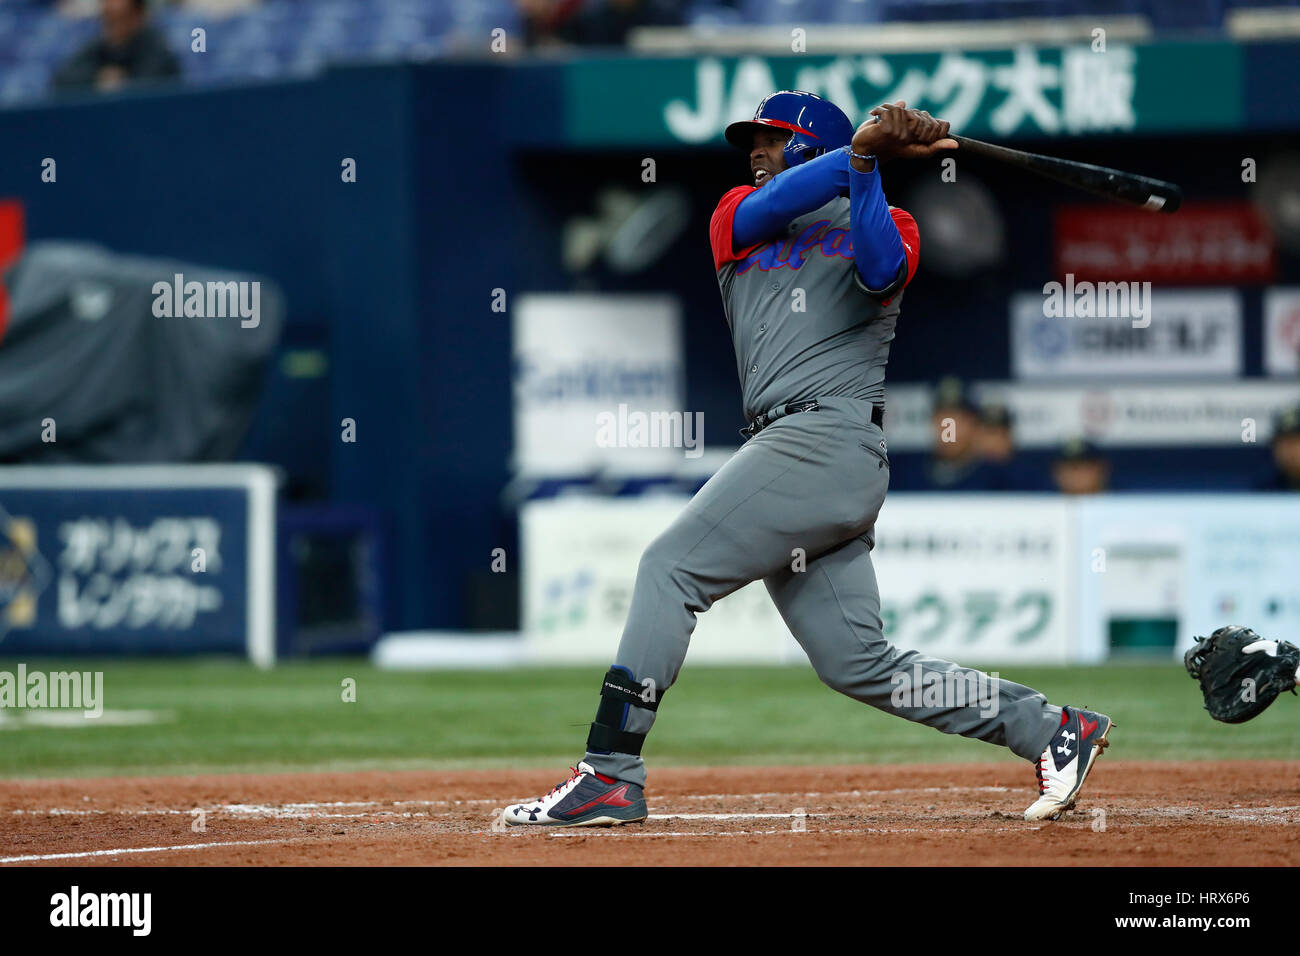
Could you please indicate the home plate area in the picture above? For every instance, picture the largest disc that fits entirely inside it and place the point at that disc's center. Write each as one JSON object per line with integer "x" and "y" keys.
{"x": 1227, "y": 813}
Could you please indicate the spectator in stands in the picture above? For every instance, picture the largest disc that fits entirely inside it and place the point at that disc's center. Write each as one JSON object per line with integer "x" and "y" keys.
{"x": 593, "y": 22}
{"x": 1286, "y": 452}
{"x": 1080, "y": 469}
{"x": 128, "y": 50}
{"x": 956, "y": 462}
{"x": 997, "y": 446}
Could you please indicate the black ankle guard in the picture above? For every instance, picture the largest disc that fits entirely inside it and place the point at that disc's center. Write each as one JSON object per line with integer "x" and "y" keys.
{"x": 617, "y": 692}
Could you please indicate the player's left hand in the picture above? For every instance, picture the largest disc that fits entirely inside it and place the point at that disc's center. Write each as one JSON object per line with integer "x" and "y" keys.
{"x": 896, "y": 132}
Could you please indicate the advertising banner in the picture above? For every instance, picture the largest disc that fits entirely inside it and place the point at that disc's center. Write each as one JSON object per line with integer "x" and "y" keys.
{"x": 1282, "y": 332}
{"x": 580, "y": 559}
{"x": 1207, "y": 243}
{"x": 1179, "y": 335}
{"x": 983, "y": 579}
{"x": 907, "y": 416}
{"x": 1142, "y": 415}
{"x": 1026, "y": 91}
{"x": 1158, "y": 570}
{"x": 977, "y": 577}
{"x": 1047, "y": 414}
{"x": 138, "y": 559}
{"x": 598, "y": 383}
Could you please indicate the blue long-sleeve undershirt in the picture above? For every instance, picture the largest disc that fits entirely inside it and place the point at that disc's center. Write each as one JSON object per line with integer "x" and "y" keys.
{"x": 881, "y": 261}
{"x": 877, "y": 246}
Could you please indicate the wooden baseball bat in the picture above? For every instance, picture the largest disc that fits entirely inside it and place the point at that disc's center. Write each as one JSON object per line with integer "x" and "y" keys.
{"x": 1154, "y": 194}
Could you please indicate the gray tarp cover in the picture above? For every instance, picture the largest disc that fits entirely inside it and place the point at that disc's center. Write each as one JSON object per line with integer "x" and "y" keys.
{"x": 84, "y": 348}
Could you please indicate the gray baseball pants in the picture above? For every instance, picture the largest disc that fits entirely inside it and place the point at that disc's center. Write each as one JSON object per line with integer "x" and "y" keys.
{"x": 813, "y": 481}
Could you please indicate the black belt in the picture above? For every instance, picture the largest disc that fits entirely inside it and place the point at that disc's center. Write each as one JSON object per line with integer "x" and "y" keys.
{"x": 793, "y": 408}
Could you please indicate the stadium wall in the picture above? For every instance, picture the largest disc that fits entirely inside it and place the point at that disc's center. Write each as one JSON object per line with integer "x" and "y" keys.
{"x": 394, "y": 275}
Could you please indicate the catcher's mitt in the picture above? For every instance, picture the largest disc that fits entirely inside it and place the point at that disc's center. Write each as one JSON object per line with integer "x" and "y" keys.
{"x": 1240, "y": 672}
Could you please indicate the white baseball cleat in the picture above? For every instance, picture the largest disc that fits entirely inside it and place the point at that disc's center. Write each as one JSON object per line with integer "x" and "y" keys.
{"x": 1064, "y": 765}
{"x": 586, "y": 799}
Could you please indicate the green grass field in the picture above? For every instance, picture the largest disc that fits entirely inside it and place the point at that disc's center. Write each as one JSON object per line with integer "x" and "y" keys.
{"x": 227, "y": 716}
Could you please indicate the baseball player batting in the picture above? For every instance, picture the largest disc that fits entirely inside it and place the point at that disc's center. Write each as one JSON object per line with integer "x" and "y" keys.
{"x": 812, "y": 475}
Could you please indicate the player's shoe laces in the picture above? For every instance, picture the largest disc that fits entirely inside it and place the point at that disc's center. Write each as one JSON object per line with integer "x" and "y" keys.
{"x": 1065, "y": 764}
{"x": 586, "y": 799}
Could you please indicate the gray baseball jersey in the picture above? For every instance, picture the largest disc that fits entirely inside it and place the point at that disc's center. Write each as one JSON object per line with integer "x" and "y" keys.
{"x": 796, "y": 506}
{"x": 803, "y": 323}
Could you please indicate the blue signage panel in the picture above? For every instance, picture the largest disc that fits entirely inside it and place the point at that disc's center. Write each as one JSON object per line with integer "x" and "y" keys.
{"x": 113, "y": 568}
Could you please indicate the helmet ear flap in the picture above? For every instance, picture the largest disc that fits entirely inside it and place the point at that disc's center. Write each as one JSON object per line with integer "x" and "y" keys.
{"x": 796, "y": 152}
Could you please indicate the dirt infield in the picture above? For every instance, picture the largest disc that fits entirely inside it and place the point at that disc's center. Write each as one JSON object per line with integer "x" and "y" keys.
{"x": 1148, "y": 814}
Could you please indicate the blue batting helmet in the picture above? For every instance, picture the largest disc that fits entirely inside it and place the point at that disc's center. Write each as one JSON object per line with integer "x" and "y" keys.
{"x": 816, "y": 125}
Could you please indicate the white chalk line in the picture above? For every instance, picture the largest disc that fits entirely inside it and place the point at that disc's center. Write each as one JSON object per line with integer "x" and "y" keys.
{"x": 305, "y": 810}
{"x": 39, "y": 857}
{"x": 734, "y": 816}
{"x": 285, "y": 810}
{"x": 1269, "y": 815}
{"x": 318, "y": 810}
{"x": 842, "y": 793}
{"x": 73, "y": 719}
{"x": 611, "y": 834}
{"x": 314, "y": 810}
{"x": 321, "y": 810}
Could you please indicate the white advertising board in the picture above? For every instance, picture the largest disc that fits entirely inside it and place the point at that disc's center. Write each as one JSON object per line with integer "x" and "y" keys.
{"x": 982, "y": 579}
{"x": 1140, "y": 416}
{"x": 1202, "y": 561}
{"x": 1185, "y": 333}
{"x": 578, "y": 357}
{"x": 1282, "y": 332}
{"x": 1047, "y": 414}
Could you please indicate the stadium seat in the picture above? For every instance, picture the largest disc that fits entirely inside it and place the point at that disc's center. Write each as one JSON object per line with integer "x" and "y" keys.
{"x": 279, "y": 37}
{"x": 710, "y": 15}
{"x": 1185, "y": 14}
{"x": 784, "y": 12}
{"x": 942, "y": 10}
{"x": 855, "y": 11}
{"x": 26, "y": 82}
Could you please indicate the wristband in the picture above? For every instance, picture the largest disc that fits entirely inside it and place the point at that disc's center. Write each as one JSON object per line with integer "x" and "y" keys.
{"x": 852, "y": 155}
